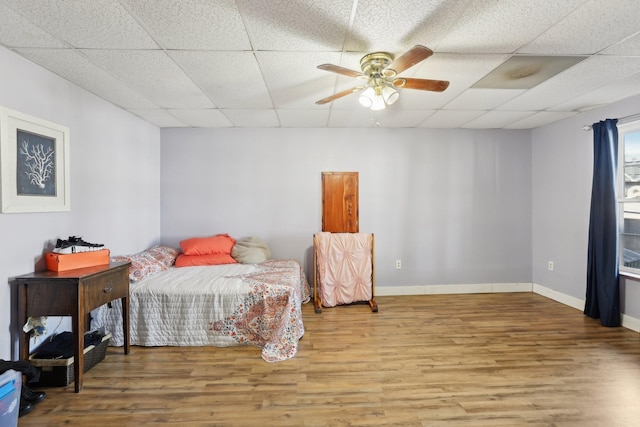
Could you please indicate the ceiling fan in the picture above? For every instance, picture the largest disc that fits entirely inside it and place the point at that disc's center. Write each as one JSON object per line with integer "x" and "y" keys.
{"x": 380, "y": 71}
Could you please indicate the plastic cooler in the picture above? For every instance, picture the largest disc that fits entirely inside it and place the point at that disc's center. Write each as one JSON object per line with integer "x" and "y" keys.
{"x": 10, "y": 387}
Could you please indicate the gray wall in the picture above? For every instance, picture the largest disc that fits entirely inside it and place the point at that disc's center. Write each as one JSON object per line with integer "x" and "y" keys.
{"x": 453, "y": 205}
{"x": 115, "y": 187}
{"x": 562, "y": 172}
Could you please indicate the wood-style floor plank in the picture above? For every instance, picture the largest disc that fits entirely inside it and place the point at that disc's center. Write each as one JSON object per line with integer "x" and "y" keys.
{"x": 510, "y": 359}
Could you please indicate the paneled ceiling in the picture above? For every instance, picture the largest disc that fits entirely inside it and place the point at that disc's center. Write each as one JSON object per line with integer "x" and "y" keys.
{"x": 253, "y": 63}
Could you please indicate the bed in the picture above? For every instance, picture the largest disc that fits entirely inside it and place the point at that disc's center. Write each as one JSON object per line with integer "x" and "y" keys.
{"x": 214, "y": 305}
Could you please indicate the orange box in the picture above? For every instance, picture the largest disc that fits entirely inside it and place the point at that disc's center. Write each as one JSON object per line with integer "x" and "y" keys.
{"x": 62, "y": 262}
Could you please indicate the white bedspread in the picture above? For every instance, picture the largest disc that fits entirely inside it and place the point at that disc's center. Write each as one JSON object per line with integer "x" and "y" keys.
{"x": 223, "y": 305}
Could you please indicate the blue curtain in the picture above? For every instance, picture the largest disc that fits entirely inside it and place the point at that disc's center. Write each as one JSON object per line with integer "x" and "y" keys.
{"x": 603, "y": 290}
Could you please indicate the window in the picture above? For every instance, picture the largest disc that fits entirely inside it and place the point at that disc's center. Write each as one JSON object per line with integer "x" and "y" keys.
{"x": 629, "y": 196}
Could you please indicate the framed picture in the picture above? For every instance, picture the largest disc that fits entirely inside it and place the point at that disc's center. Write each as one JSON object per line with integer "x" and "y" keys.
{"x": 34, "y": 164}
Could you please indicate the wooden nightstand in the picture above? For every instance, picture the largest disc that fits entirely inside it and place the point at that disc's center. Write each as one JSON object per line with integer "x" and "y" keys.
{"x": 73, "y": 293}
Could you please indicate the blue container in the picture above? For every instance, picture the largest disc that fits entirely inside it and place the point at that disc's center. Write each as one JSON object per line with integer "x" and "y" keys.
{"x": 10, "y": 387}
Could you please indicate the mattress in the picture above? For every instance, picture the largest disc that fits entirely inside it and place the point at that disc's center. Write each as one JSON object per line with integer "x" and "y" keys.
{"x": 221, "y": 305}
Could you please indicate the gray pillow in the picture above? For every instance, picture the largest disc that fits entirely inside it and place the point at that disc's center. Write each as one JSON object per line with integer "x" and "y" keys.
{"x": 250, "y": 250}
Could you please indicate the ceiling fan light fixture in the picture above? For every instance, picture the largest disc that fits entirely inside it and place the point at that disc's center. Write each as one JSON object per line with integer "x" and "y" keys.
{"x": 390, "y": 95}
{"x": 378, "y": 97}
{"x": 367, "y": 97}
{"x": 378, "y": 103}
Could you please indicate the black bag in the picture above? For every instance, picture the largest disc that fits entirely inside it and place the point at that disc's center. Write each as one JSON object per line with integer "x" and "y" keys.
{"x": 60, "y": 346}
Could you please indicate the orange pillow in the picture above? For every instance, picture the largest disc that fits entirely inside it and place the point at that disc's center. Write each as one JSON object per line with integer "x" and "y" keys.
{"x": 212, "y": 259}
{"x": 219, "y": 244}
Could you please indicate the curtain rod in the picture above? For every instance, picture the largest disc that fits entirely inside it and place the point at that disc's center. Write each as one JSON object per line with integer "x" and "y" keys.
{"x": 621, "y": 120}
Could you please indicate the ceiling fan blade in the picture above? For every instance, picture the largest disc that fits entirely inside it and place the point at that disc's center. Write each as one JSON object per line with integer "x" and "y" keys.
{"x": 406, "y": 60}
{"x": 421, "y": 84}
{"x": 341, "y": 70}
{"x": 338, "y": 95}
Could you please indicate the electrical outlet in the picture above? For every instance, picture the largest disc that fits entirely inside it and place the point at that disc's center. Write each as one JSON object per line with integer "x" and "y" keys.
{"x": 550, "y": 265}
{"x": 398, "y": 264}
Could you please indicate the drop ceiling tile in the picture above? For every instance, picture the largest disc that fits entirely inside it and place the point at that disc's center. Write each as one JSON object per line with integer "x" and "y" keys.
{"x": 352, "y": 60}
{"x": 526, "y": 71}
{"x": 230, "y": 79}
{"x": 303, "y": 118}
{"x": 630, "y": 46}
{"x": 293, "y": 79}
{"x": 584, "y": 77}
{"x": 396, "y": 26}
{"x": 397, "y": 118}
{"x": 75, "y": 67}
{"x": 153, "y": 74}
{"x": 489, "y": 26}
{"x": 86, "y": 24}
{"x": 482, "y": 99}
{"x": 354, "y": 118}
{"x": 497, "y": 119}
{"x": 421, "y": 100}
{"x": 212, "y": 25}
{"x": 613, "y": 92}
{"x": 444, "y": 119}
{"x": 579, "y": 33}
{"x": 18, "y": 31}
{"x": 461, "y": 70}
{"x": 252, "y": 118}
{"x": 158, "y": 117}
{"x": 538, "y": 119}
{"x": 205, "y": 118}
{"x": 296, "y": 26}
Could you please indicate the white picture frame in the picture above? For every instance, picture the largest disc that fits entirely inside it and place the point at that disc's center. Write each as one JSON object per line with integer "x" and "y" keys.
{"x": 34, "y": 164}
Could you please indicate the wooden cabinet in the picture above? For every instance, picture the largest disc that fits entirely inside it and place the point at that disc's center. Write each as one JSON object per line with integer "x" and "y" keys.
{"x": 340, "y": 202}
{"x": 73, "y": 293}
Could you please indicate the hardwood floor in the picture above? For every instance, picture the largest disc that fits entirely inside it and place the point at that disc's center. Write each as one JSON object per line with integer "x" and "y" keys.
{"x": 441, "y": 360}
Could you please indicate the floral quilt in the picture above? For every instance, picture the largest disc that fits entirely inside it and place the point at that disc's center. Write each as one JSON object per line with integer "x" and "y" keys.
{"x": 222, "y": 305}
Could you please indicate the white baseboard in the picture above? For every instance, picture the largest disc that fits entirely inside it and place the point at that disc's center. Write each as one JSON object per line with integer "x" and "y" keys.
{"x": 480, "y": 288}
{"x": 631, "y": 323}
{"x": 484, "y": 288}
{"x": 574, "y": 302}
{"x": 577, "y": 303}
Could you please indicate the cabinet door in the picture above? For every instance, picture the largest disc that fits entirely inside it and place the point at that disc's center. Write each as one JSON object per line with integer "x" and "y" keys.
{"x": 340, "y": 202}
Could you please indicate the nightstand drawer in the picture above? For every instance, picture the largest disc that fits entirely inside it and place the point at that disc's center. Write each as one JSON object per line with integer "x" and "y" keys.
{"x": 102, "y": 289}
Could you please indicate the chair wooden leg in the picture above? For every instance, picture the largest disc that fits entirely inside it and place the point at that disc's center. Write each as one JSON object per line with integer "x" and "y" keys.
{"x": 316, "y": 299}
{"x": 373, "y": 305}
